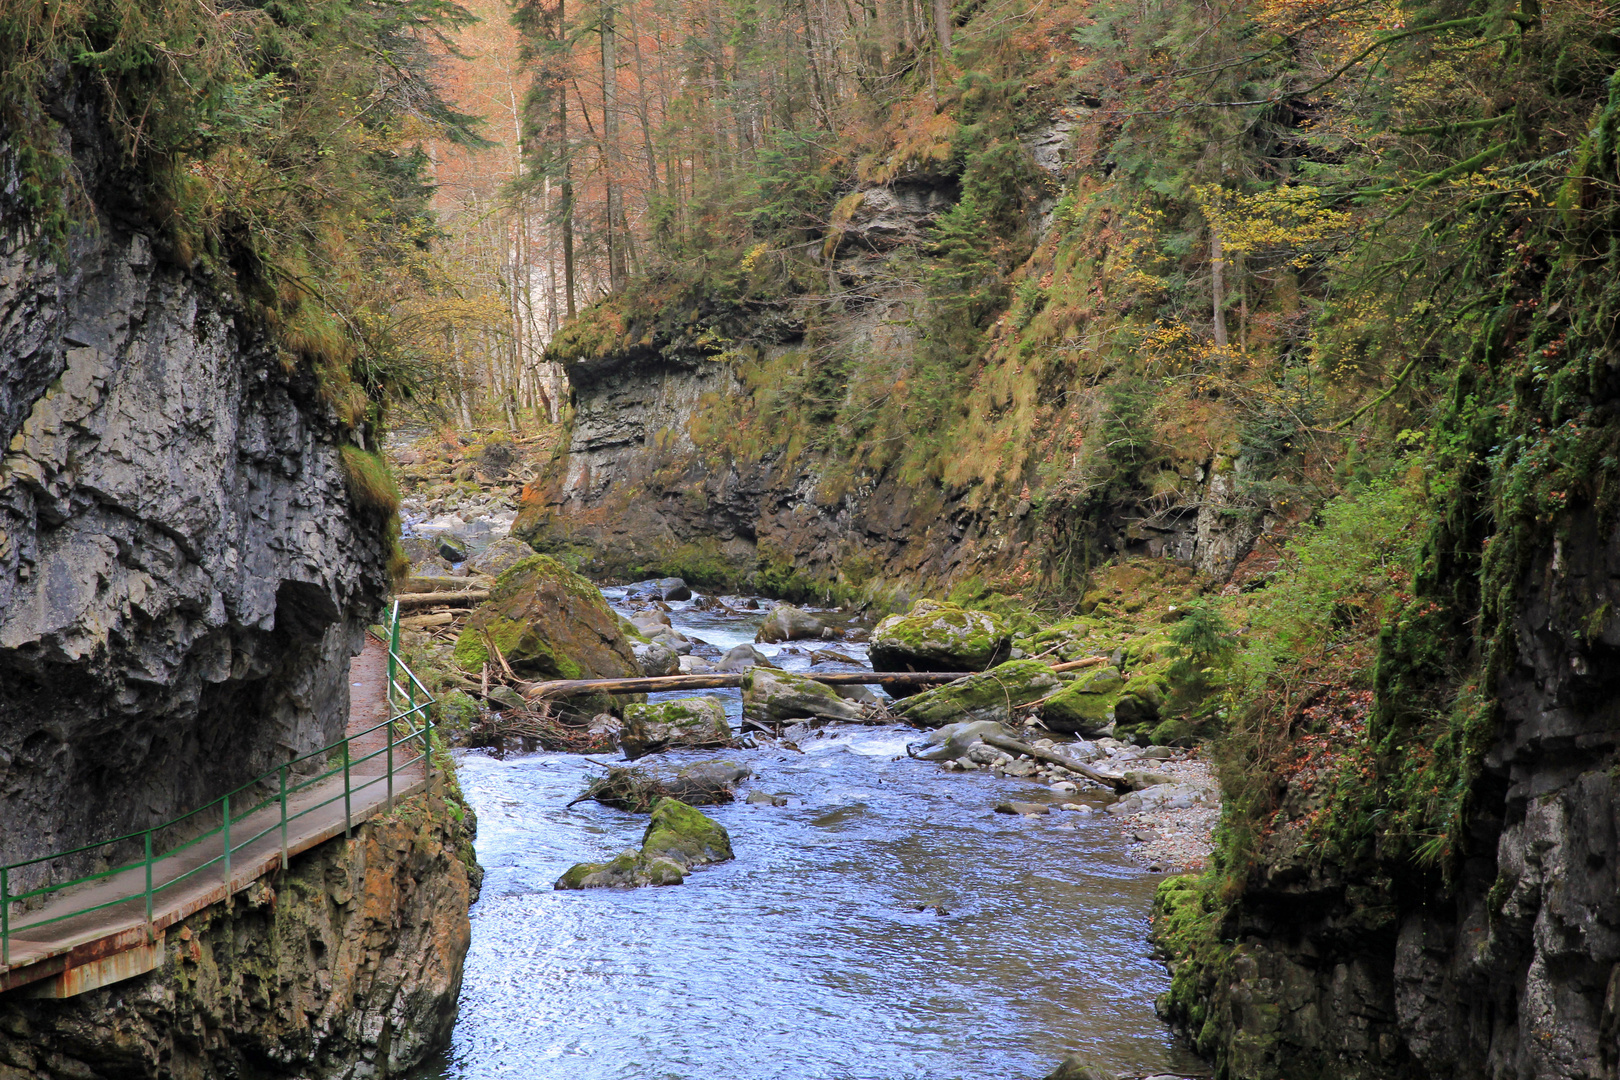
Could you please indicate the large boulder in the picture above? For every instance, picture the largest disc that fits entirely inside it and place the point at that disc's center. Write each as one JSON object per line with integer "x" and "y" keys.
{"x": 771, "y": 696}
{"x": 1086, "y": 705}
{"x": 989, "y": 695}
{"x": 670, "y": 588}
{"x": 666, "y": 725}
{"x": 940, "y": 637}
{"x": 788, "y": 623}
{"x": 953, "y": 740}
{"x": 549, "y": 623}
{"x": 684, "y": 836}
{"x": 501, "y": 556}
{"x": 741, "y": 658}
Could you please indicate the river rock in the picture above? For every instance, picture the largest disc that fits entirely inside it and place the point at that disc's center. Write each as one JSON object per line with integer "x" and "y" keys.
{"x": 694, "y": 665}
{"x": 657, "y": 658}
{"x": 450, "y": 548}
{"x": 989, "y": 695}
{"x": 1084, "y": 706}
{"x": 423, "y": 552}
{"x": 651, "y": 621}
{"x": 861, "y": 695}
{"x": 940, "y": 637}
{"x": 1030, "y": 808}
{"x": 673, "y": 640}
{"x": 628, "y": 870}
{"x": 741, "y": 658}
{"x": 684, "y": 836}
{"x": 1074, "y": 1067}
{"x": 670, "y": 588}
{"x": 549, "y": 623}
{"x": 827, "y": 656}
{"x": 764, "y": 798}
{"x": 664, "y": 725}
{"x": 501, "y": 556}
{"x": 772, "y": 697}
{"x": 954, "y": 740}
{"x": 788, "y": 623}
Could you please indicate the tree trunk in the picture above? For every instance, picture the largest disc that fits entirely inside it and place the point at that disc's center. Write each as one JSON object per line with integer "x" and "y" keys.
{"x": 1217, "y": 272}
{"x": 942, "y": 25}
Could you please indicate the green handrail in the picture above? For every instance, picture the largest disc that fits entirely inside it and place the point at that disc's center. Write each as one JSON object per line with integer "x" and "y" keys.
{"x": 404, "y": 710}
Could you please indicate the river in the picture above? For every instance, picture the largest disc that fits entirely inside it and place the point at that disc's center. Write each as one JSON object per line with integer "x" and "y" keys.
{"x": 885, "y": 923}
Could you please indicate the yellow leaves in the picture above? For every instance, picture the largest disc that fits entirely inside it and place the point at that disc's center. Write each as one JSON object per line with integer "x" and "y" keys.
{"x": 1287, "y": 219}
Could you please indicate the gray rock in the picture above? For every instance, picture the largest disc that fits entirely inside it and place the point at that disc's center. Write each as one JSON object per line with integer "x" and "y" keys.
{"x": 774, "y": 697}
{"x": 954, "y": 740}
{"x": 657, "y": 659}
{"x": 788, "y": 623}
{"x": 673, "y": 640}
{"x": 761, "y": 798}
{"x": 694, "y": 665}
{"x": 1074, "y": 1067}
{"x": 741, "y": 658}
{"x": 507, "y": 698}
{"x": 500, "y": 556}
{"x": 672, "y": 588}
{"x": 1028, "y": 808}
{"x": 652, "y": 727}
{"x": 451, "y": 548}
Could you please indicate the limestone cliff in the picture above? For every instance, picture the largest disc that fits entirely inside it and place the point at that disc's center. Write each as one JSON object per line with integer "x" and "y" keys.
{"x": 347, "y": 965}
{"x": 183, "y": 577}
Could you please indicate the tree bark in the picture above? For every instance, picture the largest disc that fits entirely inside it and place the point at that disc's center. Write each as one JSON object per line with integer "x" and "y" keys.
{"x": 1217, "y": 277}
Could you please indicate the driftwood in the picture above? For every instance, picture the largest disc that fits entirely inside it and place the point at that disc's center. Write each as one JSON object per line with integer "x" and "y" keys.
{"x": 470, "y": 598}
{"x": 1075, "y": 665}
{"x": 422, "y": 622}
{"x": 723, "y": 680}
{"x": 1013, "y": 746}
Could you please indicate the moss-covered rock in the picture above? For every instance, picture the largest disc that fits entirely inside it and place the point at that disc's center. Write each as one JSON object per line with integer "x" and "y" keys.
{"x": 684, "y": 836}
{"x": 940, "y": 637}
{"x": 788, "y": 623}
{"x": 989, "y": 695}
{"x": 549, "y": 623}
{"x": 629, "y": 869}
{"x": 664, "y": 725}
{"x": 1086, "y": 705}
{"x": 771, "y": 696}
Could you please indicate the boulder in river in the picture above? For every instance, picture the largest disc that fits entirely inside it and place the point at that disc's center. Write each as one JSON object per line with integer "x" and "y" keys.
{"x": 741, "y": 658}
{"x": 1074, "y": 1067}
{"x": 684, "y": 836}
{"x": 548, "y": 623}
{"x": 670, "y": 588}
{"x": 988, "y": 695}
{"x": 953, "y": 740}
{"x": 628, "y": 870}
{"x": 657, "y": 659}
{"x": 788, "y": 623}
{"x": 665, "y": 725}
{"x": 940, "y": 637}
{"x": 771, "y": 696}
{"x": 704, "y": 783}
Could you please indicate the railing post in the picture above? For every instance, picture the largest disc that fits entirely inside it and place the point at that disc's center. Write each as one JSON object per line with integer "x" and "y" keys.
{"x": 151, "y": 935}
{"x": 348, "y": 823}
{"x": 389, "y": 731}
{"x": 5, "y": 918}
{"x": 393, "y": 651}
{"x": 227, "y": 848}
{"x": 283, "y": 771}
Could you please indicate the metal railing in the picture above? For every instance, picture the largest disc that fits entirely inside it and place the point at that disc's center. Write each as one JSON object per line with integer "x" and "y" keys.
{"x": 408, "y": 708}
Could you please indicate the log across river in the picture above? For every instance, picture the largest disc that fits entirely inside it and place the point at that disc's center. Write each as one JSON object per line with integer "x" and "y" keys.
{"x": 885, "y": 923}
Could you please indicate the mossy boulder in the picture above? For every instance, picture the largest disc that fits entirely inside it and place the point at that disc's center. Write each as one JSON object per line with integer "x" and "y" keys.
{"x": 549, "y": 623}
{"x": 989, "y": 695}
{"x": 1137, "y": 708}
{"x": 940, "y": 637}
{"x": 664, "y": 725}
{"x": 1086, "y": 705}
{"x": 771, "y": 696}
{"x": 629, "y": 869}
{"x": 501, "y": 556}
{"x": 684, "y": 836}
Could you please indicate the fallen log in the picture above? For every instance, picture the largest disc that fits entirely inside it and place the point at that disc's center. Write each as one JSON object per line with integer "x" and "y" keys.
{"x": 721, "y": 680}
{"x": 471, "y": 598}
{"x": 1013, "y": 746}
{"x": 422, "y": 622}
{"x": 1074, "y": 665}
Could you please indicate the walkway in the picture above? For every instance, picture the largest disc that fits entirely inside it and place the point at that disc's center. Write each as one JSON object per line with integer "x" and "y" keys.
{"x": 184, "y": 883}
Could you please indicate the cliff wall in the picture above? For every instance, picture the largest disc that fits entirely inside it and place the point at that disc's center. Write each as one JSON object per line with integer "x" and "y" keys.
{"x": 183, "y": 575}
{"x": 346, "y": 965}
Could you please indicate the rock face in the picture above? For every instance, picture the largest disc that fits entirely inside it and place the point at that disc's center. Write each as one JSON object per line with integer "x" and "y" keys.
{"x": 548, "y": 623}
{"x": 183, "y": 575}
{"x": 347, "y": 965}
{"x": 1513, "y": 969}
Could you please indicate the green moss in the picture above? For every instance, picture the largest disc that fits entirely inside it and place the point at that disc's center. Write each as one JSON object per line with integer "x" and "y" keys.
{"x": 988, "y": 695}
{"x": 684, "y": 835}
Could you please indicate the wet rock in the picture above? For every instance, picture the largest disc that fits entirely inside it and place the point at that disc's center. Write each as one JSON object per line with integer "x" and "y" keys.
{"x": 1074, "y": 1067}
{"x": 827, "y": 656}
{"x": 774, "y": 697}
{"x": 673, "y": 588}
{"x": 694, "y": 665}
{"x": 1026, "y": 808}
{"x": 651, "y": 621}
{"x": 861, "y": 695}
{"x": 989, "y": 695}
{"x": 548, "y": 623}
{"x": 501, "y": 556}
{"x": 684, "y": 836}
{"x": 706, "y": 783}
{"x": 761, "y": 798}
{"x": 423, "y": 552}
{"x": 940, "y": 637}
{"x": 788, "y": 623}
{"x": 954, "y": 740}
{"x": 628, "y": 870}
{"x": 1063, "y": 787}
{"x": 741, "y": 658}
{"x": 664, "y": 725}
{"x": 673, "y": 640}
{"x": 657, "y": 658}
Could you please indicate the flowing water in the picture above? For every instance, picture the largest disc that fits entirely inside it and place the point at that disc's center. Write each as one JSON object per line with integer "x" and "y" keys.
{"x": 885, "y": 923}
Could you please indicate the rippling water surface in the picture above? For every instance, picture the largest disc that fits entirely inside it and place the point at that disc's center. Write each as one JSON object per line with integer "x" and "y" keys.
{"x": 808, "y": 956}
